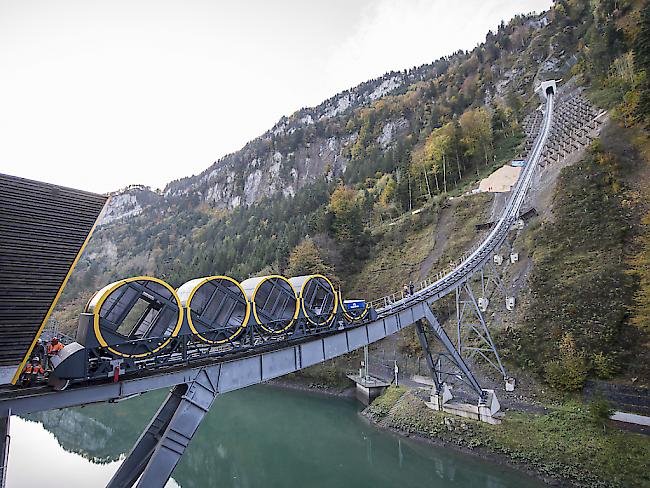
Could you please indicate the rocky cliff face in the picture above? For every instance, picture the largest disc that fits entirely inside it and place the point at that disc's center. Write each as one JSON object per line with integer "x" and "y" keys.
{"x": 317, "y": 141}
{"x": 129, "y": 202}
{"x": 298, "y": 149}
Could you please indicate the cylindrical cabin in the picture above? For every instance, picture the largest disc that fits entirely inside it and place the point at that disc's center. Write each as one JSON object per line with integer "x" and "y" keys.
{"x": 217, "y": 308}
{"x": 318, "y": 298}
{"x": 135, "y": 308}
{"x": 274, "y": 302}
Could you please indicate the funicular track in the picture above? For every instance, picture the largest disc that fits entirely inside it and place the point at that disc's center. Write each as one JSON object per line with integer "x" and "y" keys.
{"x": 196, "y": 384}
{"x": 394, "y": 313}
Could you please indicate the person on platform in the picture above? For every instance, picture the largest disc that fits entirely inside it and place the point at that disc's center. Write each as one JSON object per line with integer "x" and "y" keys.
{"x": 40, "y": 351}
{"x": 53, "y": 349}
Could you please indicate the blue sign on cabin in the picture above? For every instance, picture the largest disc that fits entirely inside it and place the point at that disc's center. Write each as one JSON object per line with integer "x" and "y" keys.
{"x": 354, "y": 304}
{"x": 518, "y": 163}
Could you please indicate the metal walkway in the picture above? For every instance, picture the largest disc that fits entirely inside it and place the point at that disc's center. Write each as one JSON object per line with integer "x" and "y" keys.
{"x": 162, "y": 444}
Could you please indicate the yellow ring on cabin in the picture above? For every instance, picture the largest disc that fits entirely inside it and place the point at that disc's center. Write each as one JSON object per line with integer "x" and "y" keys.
{"x": 295, "y": 315}
{"x": 189, "y": 310}
{"x": 116, "y": 285}
{"x": 302, "y": 300}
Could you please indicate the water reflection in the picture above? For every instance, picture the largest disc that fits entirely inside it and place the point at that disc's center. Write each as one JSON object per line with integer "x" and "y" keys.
{"x": 37, "y": 459}
{"x": 259, "y": 437}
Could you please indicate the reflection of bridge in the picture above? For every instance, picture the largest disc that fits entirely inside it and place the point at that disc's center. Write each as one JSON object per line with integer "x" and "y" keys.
{"x": 195, "y": 385}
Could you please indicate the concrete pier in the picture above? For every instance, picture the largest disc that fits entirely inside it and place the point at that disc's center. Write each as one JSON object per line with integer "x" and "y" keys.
{"x": 486, "y": 410}
{"x": 368, "y": 387}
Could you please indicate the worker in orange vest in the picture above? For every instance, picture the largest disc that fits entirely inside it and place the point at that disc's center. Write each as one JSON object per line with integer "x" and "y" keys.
{"x": 54, "y": 347}
{"x": 32, "y": 372}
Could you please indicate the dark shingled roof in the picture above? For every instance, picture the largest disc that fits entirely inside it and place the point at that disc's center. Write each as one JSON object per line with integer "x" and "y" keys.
{"x": 43, "y": 229}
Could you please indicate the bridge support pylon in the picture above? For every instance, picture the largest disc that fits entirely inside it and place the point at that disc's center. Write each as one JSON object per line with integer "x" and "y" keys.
{"x": 473, "y": 334}
{"x": 487, "y": 405}
{"x": 160, "y": 447}
{"x": 4, "y": 448}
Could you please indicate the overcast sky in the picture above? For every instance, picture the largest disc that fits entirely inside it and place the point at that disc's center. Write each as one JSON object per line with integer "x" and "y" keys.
{"x": 101, "y": 94}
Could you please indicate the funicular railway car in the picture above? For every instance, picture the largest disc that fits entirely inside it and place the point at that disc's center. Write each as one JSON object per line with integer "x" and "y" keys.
{"x": 142, "y": 323}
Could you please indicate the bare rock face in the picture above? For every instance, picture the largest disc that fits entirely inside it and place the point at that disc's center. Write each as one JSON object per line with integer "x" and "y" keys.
{"x": 295, "y": 152}
{"x": 316, "y": 142}
{"x": 128, "y": 202}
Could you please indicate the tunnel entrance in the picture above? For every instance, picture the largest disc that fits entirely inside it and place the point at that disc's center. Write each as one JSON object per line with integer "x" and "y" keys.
{"x": 550, "y": 91}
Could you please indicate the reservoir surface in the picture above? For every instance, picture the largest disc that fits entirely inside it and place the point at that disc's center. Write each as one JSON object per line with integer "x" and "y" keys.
{"x": 262, "y": 436}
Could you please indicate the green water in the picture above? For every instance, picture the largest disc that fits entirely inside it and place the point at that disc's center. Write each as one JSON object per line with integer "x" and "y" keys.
{"x": 258, "y": 437}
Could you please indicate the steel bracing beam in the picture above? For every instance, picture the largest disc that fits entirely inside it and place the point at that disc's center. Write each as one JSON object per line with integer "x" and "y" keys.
{"x": 453, "y": 354}
{"x": 470, "y": 318}
{"x": 424, "y": 343}
{"x": 490, "y": 276}
{"x": 160, "y": 447}
{"x": 135, "y": 463}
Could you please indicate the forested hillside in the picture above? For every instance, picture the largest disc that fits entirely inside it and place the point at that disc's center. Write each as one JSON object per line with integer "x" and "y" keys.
{"x": 587, "y": 299}
{"x": 329, "y": 188}
{"x": 393, "y": 143}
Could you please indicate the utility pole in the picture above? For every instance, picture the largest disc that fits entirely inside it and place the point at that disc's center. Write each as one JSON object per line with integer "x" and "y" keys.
{"x": 396, "y": 374}
{"x": 365, "y": 362}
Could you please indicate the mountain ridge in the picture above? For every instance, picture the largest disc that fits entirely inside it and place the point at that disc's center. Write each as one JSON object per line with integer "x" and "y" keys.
{"x": 282, "y": 159}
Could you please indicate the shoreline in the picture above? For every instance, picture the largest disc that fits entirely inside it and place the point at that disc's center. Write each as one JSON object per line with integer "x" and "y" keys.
{"x": 477, "y": 452}
{"x": 323, "y": 390}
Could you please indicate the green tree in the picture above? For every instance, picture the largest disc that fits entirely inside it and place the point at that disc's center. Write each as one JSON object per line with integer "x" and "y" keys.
{"x": 600, "y": 412}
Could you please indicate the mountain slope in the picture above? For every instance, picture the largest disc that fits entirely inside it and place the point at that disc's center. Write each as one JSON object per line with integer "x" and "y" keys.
{"x": 394, "y": 143}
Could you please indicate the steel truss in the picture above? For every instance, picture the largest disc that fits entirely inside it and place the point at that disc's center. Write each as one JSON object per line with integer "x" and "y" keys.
{"x": 451, "y": 354}
{"x": 491, "y": 282}
{"x": 473, "y": 333}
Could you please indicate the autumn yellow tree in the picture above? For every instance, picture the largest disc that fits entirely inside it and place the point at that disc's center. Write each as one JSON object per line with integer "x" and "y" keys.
{"x": 347, "y": 224}
{"x": 423, "y": 162}
{"x": 439, "y": 146}
{"x": 477, "y": 133}
{"x": 569, "y": 371}
{"x": 306, "y": 259}
{"x": 388, "y": 193}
